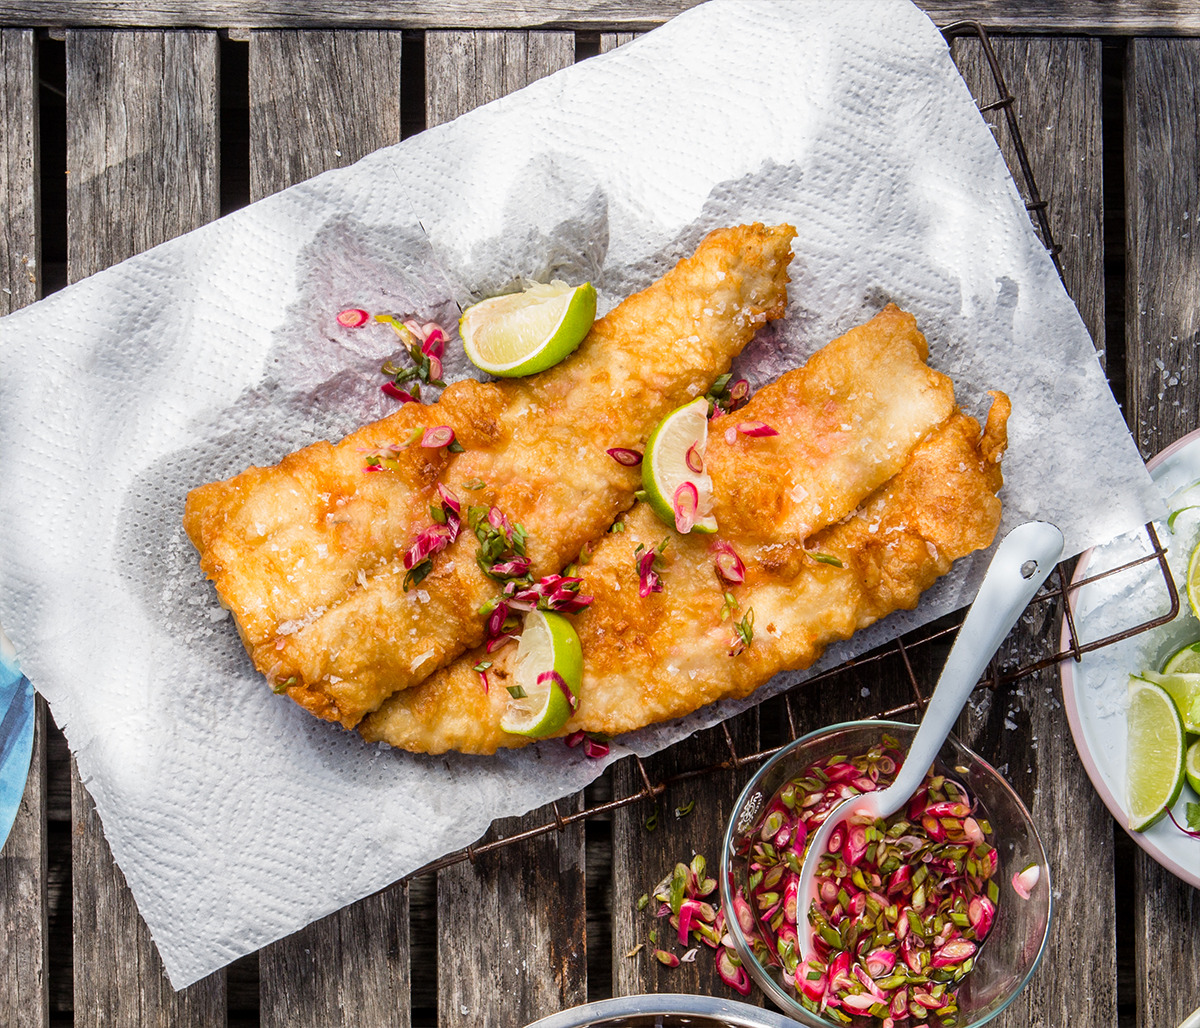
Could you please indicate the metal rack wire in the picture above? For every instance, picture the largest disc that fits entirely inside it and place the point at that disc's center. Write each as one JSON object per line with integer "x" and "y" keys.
{"x": 1057, "y": 593}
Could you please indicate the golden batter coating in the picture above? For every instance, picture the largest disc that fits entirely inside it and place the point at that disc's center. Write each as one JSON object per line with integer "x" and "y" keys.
{"x": 847, "y": 423}
{"x": 649, "y": 659}
{"x": 308, "y": 554}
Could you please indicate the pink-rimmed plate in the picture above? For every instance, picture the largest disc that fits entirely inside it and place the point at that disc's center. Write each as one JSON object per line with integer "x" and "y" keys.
{"x": 1094, "y": 689}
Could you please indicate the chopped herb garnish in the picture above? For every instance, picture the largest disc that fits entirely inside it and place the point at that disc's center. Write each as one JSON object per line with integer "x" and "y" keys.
{"x": 827, "y": 558}
{"x": 743, "y": 633}
{"x": 617, "y": 526}
{"x": 516, "y": 692}
{"x": 727, "y": 394}
{"x": 475, "y": 484}
{"x": 417, "y": 573}
{"x": 643, "y": 901}
{"x": 652, "y": 821}
{"x": 687, "y": 808}
{"x": 424, "y": 345}
{"x": 729, "y": 606}
{"x": 482, "y": 666}
{"x": 648, "y": 563}
{"x": 456, "y": 447}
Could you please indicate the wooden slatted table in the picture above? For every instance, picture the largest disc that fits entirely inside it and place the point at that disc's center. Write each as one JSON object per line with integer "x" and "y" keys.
{"x": 128, "y": 123}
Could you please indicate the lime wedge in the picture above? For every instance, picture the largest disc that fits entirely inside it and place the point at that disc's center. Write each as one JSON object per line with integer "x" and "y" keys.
{"x": 526, "y": 332}
{"x": 1193, "y": 580}
{"x": 539, "y": 704}
{"x": 1192, "y": 766}
{"x": 1154, "y": 770}
{"x": 673, "y": 466}
{"x": 1184, "y": 690}
{"x": 1185, "y": 661}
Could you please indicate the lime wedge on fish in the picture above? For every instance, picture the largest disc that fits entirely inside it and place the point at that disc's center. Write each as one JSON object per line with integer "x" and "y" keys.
{"x": 677, "y": 487}
{"x": 1184, "y": 690}
{"x": 1154, "y": 763}
{"x": 523, "y": 333}
{"x": 549, "y": 667}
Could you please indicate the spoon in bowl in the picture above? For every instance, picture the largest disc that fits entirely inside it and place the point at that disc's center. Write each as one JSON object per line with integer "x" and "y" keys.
{"x": 1021, "y": 563}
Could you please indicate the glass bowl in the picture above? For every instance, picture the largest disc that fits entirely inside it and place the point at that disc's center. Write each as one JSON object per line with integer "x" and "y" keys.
{"x": 1010, "y": 953}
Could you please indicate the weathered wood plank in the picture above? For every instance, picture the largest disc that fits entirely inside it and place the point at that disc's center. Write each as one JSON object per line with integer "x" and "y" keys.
{"x": 1132, "y": 17}
{"x": 141, "y": 142}
{"x": 24, "y": 908}
{"x": 464, "y": 70}
{"x": 1022, "y": 730}
{"x": 642, "y": 856}
{"x": 350, "y": 968}
{"x": 1057, "y": 86}
{"x": 1167, "y": 941}
{"x": 511, "y": 928}
{"x": 319, "y": 100}
{"x": 20, "y": 243}
{"x": 1162, "y": 330}
{"x": 1162, "y": 320}
{"x": 142, "y": 159}
{"x": 322, "y": 100}
{"x": 612, "y": 40}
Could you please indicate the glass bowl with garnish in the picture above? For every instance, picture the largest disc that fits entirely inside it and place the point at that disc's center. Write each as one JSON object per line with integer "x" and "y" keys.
{"x": 937, "y": 916}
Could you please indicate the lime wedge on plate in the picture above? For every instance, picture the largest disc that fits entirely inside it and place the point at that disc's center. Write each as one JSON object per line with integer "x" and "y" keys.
{"x": 522, "y": 333}
{"x": 1185, "y": 661}
{"x": 673, "y": 469}
{"x": 1192, "y": 766}
{"x": 1154, "y": 763}
{"x": 548, "y": 647}
{"x": 1184, "y": 690}
{"x": 1193, "y": 580}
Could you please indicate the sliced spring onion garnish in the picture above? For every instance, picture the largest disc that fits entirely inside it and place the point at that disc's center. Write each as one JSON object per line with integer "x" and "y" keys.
{"x": 755, "y": 429}
{"x": 396, "y": 393}
{"x": 743, "y": 633}
{"x": 685, "y": 503}
{"x": 648, "y": 562}
{"x": 1024, "y": 881}
{"x": 624, "y": 455}
{"x": 557, "y": 679}
{"x": 729, "y": 564}
{"x": 437, "y": 437}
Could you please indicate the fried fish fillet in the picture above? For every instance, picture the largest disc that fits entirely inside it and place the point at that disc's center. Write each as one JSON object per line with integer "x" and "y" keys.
{"x": 650, "y": 659}
{"x": 308, "y": 554}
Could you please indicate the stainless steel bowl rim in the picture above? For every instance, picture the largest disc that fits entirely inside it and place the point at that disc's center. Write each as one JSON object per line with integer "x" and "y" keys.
{"x": 730, "y": 1011}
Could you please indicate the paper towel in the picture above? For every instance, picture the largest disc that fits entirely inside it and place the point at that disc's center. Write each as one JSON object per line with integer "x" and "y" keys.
{"x": 235, "y": 816}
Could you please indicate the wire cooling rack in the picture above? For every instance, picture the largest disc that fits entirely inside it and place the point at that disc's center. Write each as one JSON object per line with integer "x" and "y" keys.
{"x": 1057, "y": 590}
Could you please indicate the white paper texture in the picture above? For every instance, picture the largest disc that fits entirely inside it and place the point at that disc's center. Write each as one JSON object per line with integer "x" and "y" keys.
{"x": 236, "y": 817}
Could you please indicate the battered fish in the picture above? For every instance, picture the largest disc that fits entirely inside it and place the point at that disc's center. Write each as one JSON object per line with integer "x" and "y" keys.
{"x": 308, "y": 553}
{"x": 662, "y": 656}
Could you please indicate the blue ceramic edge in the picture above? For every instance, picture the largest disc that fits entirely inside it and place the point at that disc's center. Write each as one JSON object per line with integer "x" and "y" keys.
{"x": 16, "y": 740}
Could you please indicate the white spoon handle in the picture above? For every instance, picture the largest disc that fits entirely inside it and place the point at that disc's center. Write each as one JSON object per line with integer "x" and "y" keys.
{"x": 1022, "y": 562}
